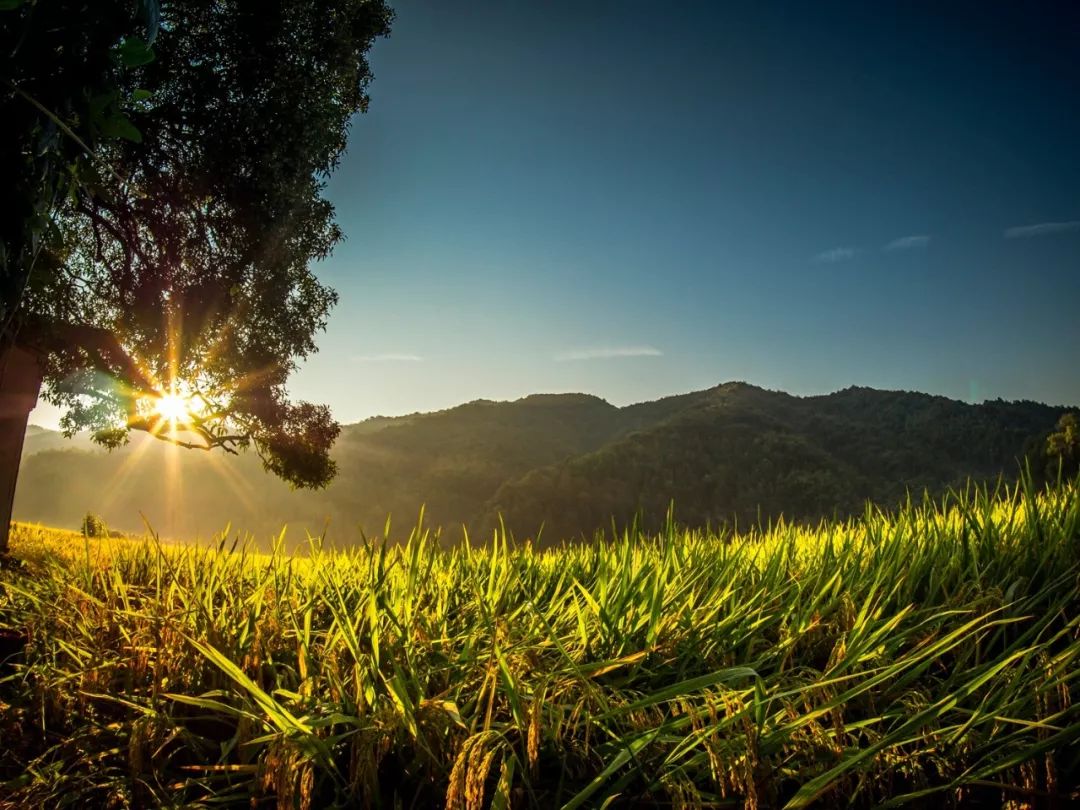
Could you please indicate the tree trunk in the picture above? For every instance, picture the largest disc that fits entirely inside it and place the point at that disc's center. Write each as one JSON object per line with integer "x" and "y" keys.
{"x": 20, "y": 382}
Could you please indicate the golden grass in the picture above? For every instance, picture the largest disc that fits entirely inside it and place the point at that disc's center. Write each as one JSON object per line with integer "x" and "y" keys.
{"x": 924, "y": 657}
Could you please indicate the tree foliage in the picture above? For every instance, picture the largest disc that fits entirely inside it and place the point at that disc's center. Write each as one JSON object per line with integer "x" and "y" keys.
{"x": 179, "y": 255}
{"x": 1063, "y": 445}
{"x": 93, "y": 526}
{"x": 61, "y": 94}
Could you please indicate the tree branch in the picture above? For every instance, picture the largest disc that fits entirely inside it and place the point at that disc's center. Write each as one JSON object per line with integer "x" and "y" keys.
{"x": 111, "y": 358}
{"x": 153, "y": 427}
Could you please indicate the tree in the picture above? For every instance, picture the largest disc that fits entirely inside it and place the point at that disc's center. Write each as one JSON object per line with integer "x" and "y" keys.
{"x": 93, "y": 526}
{"x": 1063, "y": 446}
{"x": 168, "y": 166}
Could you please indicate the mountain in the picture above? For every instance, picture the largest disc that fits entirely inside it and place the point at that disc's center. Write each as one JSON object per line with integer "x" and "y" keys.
{"x": 739, "y": 454}
{"x": 39, "y": 439}
{"x": 451, "y": 461}
{"x": 569, "y": 462}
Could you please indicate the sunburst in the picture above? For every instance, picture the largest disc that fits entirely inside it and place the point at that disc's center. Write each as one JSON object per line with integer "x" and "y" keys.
{"x": 175, "y": 408}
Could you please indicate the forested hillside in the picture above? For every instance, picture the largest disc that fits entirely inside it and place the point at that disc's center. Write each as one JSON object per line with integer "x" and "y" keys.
{"x": 568, "y": 462}
{"x": 737, "y": 454}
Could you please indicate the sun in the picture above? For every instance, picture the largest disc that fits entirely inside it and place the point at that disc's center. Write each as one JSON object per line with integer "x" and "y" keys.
{"x": 173, "y": 408}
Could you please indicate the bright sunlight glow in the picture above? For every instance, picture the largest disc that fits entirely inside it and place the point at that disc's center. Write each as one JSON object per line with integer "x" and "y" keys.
{"x": 174, "y": 408}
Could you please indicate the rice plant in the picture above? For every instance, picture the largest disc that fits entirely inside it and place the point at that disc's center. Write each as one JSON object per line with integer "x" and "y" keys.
{"x": 922, "y": 658}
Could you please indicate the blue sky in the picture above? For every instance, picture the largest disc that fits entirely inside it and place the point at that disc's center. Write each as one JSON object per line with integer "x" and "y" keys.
{"x": 639, "y": 199}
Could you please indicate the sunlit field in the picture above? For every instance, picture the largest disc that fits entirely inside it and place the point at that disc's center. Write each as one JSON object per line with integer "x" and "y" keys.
{"x": 926, "y": 658}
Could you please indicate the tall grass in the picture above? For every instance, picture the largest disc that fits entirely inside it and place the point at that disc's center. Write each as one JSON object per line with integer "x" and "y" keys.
{"x": 926, "y": 658}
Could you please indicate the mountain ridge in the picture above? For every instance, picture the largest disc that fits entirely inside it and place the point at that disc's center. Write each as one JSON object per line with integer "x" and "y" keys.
{"x": 572, "y": 462}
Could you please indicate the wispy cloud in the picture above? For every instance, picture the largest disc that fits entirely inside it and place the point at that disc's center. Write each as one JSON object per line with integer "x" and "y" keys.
{"x": 1041, "y": 229}
{"x": 836, "y": 254}
{"x": 608, "y": 352}
{"x": 389, "y": 357}
{"x": 908, "y": 243}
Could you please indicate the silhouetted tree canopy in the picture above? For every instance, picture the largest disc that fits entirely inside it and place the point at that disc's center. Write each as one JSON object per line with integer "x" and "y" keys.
{"x": 167, "y": 168}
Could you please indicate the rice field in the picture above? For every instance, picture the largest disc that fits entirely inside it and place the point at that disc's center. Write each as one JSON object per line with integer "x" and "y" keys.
{"x": 926, "y": 658}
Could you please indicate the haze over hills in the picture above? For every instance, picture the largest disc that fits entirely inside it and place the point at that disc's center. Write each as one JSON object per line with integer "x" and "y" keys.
{"x": 569, "y": 462}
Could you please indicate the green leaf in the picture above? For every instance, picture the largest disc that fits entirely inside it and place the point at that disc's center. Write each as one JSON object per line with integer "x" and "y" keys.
{"x": 120, "y": 127}
{"x": 280, "y": 717}
{"x": 141, "y": 95}
{"x": 10, "y": 5}
{"x": 625, "y": 755}
{"x": 682, "y": 688}
{"x": 503, "y": 798}
{"x": 100, "y": 106}
{"x": 399, "y": 694}
{"x": 111, "y": 438}
{"x": 134, "y": 52}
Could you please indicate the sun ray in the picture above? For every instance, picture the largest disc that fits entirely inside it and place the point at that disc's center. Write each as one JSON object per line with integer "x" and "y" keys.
{"x": 174, "y": 488}
{"x": 121, "y": 476}
{"x": 241, "y": 487}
